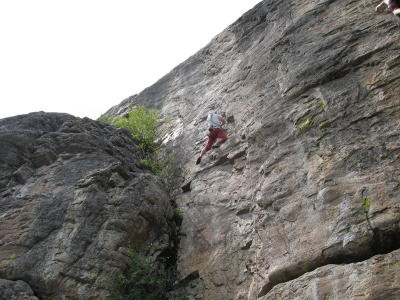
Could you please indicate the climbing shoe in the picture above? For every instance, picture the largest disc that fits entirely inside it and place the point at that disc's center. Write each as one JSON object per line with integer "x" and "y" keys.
{"x": 215, "y": 146}
{"x": 198, "y": 160}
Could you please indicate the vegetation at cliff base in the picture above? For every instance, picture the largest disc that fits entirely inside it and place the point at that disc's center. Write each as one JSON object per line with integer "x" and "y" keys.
{"x": 145, "y": 279}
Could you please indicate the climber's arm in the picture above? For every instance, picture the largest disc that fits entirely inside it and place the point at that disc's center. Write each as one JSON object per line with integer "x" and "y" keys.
{"x": 222, "y": 121}
{"x": 381, "y": 7}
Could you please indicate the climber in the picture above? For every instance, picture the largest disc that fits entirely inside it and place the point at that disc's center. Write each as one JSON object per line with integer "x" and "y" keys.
{"x": 215, "y": 133}
{"x": 393, "y": 5}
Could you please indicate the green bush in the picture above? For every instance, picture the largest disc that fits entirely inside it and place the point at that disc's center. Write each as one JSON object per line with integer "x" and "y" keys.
{"x": 165, "y": 166}
{"x": 152, "y": 163}
{"x": 305, "y": 125}
{"x": 366, "y": 206}
{"x": 178, "y": 216}
{"x": 104, "y": 118}
{"x": 142, "y": 123}
{"x": 145, "y": 280}
{"x": 171, "y": 171}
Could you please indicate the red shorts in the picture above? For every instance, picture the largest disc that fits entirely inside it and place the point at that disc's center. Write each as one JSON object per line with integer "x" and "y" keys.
{"x": 213, "y": 135}
{"x": 393, "y": 5}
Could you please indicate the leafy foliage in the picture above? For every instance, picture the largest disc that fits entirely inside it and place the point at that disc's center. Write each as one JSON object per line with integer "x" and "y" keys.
{"x": 305, "y": 125}
{"x": 104, "y": 118}
{"x": 152, "y": 163}
{"x": 145, "y": 280}
{"x": 366, "y": 205}
{"x": 396, "y": 264}
{"x": 178, "y": 216}
{"x": 171, "y": 171}
{"x": 165, "y": 166}
{"x": 324, "y": 126}
{"x": 142, "y": 123}
{"x": 321, "y": 104}
{"x": 142, "y": 282}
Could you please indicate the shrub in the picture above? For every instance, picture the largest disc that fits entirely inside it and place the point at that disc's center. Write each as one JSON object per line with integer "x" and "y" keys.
{"x": 152, "y": 163}
{"x": 165, "y": 166}
{"x": 178, "y": 216}
{"x": 305, "y": 125}
{"x": 171, "y": 171}
{"x": 104, "y": 118}
{"x": 142, "y": 123}
{"x": 321, "y": 104}
{"x": 366, "y": 206}
{"x": 324, "y": 126}
{"x": 145, "y": 279}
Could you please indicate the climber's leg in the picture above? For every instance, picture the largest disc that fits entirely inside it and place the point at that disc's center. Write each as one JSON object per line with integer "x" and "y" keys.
{"x": 221, "y": 138}
{"x": 211, "y": 140}
{"x": 381, "y": 7}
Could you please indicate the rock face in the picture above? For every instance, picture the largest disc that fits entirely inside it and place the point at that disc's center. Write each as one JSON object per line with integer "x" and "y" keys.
{"x": 15, "y": 290}
{"x": 74, "y": 198}
{"x": 375, "y": 278}
{"x": 311, "y": 90}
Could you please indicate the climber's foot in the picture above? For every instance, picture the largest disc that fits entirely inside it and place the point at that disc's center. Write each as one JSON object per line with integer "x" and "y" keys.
{"x": 198, "y": 160}
{"x": 215, "y": 146}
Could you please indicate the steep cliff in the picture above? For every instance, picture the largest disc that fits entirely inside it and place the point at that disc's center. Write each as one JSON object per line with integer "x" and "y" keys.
{"x": 311, "y": 90}
{"x": 74, "y": 199}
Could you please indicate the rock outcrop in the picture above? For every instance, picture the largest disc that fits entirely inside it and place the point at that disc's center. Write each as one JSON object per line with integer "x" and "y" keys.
{"x": 311, "y": 90}
{"x": 74, "y": 199}
{"x": 16, "y": 290}
{"x": 375, "y": 278}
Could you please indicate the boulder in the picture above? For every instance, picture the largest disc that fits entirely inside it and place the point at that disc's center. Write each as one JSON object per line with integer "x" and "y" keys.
{"x": 74, "y": 199}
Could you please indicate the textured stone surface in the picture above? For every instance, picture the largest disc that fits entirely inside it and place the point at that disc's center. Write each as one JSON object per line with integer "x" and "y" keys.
{"x": 74, "y": 198}
{"x": 312, "y": 92}
{"x": 373, "y": 279}
{"x": 15, "y": 290}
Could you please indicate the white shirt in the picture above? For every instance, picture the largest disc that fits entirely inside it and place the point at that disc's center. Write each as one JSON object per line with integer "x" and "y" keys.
{"x": 213, "y": 120}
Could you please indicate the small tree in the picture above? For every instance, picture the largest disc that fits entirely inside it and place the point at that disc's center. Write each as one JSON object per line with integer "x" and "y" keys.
{"x": 145, "y": 280}
{"x": 142, "y": 123}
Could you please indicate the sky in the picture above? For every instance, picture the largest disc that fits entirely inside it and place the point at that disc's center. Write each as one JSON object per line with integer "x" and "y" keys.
{"x": 83, "y": 57}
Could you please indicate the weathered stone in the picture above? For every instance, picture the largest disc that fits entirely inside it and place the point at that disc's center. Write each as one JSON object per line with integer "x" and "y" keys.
{"x": 313, "y": 87}
{"x": 15, "y": 290}
{"x": 311, "y": 92}
{"x": 328, "y": 195}
{"x": 372, "y": 279}
{"x": 74, "y": 197}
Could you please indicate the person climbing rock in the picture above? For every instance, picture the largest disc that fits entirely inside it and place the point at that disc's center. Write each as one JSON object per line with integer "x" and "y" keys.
{"x": 393, "y": 5}
{"x": 215, "y": 133}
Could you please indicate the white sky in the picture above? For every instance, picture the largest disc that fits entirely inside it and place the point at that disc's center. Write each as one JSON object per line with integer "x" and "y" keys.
{"x": 82, "y": 57}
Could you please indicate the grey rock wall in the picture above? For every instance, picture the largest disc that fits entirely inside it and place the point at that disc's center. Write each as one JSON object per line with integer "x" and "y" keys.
{"x": 372, "y": 279}
{"x": 74, "y": 199}
{"x": 311, "y": 89}
{"x": 15, "y": 290}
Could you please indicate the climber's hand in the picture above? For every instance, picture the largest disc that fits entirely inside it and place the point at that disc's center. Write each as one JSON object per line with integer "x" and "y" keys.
{"x": 381, "y": 7}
